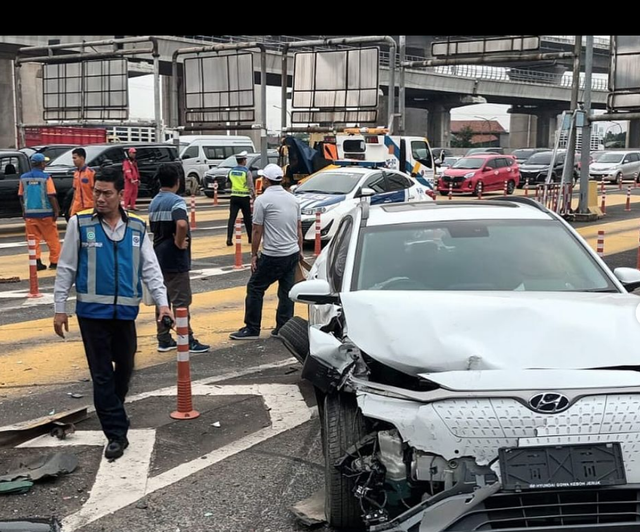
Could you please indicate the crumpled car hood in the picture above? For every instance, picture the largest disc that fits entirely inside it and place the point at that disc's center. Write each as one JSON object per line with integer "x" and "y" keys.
{"x": 426, "y": 332}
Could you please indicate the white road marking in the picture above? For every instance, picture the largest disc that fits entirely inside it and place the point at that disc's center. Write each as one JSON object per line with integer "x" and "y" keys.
{"x": 126, "y": 480}
{"x": 8, "y": 245}
{"x": 118, "y": 483}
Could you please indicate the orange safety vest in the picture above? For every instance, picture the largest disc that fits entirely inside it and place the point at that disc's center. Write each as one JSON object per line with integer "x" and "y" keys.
{"x": 83, "y": 181}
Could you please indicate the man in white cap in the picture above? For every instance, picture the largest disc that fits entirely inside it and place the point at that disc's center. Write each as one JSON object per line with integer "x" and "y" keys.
{"x": 276, "y": 224}
{"x": 242, "y": 190}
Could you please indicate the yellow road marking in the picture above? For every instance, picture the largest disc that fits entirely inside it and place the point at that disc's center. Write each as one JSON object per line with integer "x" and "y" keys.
{"x": 34, "y": 354}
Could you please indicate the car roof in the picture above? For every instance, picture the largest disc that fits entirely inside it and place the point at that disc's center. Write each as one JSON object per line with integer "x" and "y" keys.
{"x": 434, "y": 211}
{"x": 11, "y": 152}
{"x": 482, "y": 155}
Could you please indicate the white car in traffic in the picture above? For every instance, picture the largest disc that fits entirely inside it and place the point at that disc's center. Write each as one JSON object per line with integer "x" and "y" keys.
{"x": 333, "y": 192}
{"x": 476, "y": 368}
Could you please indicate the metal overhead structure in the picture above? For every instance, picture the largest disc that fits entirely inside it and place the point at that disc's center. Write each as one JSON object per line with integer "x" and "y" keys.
{"x": 214, "y": 100}
{"x": 89, "y": 85}
{"x": 346, "y": 85}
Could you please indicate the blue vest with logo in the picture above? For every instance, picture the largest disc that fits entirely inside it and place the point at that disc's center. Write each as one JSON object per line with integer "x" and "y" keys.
{"x": 109, "y": 276}
{"x": 34, "y": 189}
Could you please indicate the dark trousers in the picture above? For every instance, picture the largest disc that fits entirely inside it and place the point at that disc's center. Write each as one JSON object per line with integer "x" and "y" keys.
{"x": 108, "y": 343}
{"x": 179, "y": 294}
{"x": 236, "y": 204}
{"x": 268, "y": 271}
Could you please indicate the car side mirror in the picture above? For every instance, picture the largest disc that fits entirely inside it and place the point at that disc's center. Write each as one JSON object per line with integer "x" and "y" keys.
{"x": 293, "y": 188}
{"x": 365, "y": 192}
{"x": 437, "y": 162}
{"x": 313, "y": 291}
{"x": 185, "y": 156}
{"x": 629, "y": 277}
{"x": 487, "y": 169}
{"x": 253, "y": 168}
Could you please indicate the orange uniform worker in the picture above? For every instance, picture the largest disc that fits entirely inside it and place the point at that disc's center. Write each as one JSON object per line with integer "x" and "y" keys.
{"x": 83, "y": 179}
{"x": 131, "y": 179}
{"x": 40, "y": 209}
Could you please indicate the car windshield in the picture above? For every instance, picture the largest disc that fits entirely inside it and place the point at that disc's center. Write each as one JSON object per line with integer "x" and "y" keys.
{"x": 471, "y": 163}
{"x": 541, "y": 158}
{"x": 522, "y": 154}
{"x": 331, "y": 183}
{"x": 66, "y": 158}
{"x": 611, "y": 158}
{"x": 502, "y": 255}
{"x": 229, "y": 162}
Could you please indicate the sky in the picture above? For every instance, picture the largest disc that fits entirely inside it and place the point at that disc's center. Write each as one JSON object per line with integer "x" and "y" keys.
{"x": 141, "y": 101}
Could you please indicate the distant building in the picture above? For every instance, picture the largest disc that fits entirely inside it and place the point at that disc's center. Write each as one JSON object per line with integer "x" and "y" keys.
{"x": 486, "y": 132}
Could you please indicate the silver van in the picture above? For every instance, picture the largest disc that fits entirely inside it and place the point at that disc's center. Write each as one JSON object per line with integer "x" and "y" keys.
{"x": 615, "y": 166}
{"x": 200, "y": 153}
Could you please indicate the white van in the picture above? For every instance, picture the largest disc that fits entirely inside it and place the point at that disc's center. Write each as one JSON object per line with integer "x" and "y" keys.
{"x": 200, "y": 153}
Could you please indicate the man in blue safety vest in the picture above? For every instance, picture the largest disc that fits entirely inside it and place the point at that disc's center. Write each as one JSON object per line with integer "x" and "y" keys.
{"x": 242, "y": 191}
{"x": 108, "y": 254}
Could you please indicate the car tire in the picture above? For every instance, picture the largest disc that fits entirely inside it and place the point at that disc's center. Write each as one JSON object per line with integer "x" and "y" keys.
{"x": 443, "y": 193}
{"x": 344, "y": 426}
{"x": 208, "y": 194}
{"x": 295, "y": 336}
{"x": 192, "y": 185}
{"x": 511, "y": 186}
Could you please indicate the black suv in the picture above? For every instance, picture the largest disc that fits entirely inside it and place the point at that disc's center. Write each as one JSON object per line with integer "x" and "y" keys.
{"x": 13, "y": 163}
{"x": 149, "y": 156}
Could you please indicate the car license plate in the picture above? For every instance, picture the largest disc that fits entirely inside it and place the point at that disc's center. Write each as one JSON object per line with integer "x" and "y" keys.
{"x": 210, "y": 185}
{"x": 562, "y": 466}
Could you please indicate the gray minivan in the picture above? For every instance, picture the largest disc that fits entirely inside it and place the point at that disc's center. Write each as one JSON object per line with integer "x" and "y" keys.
{"x": 615, "y": 166}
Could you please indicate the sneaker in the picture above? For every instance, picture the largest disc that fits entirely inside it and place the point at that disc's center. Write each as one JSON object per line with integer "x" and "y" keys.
{"x": 167, "y": 346}
{"x": 40, "y": 266}
{"x": 53, "y": 266}
{"x": 275, "y": 332}
{"x": 197, "y": 347}
{"x": 245, "y": 334}
{"x": 115, "y": 448}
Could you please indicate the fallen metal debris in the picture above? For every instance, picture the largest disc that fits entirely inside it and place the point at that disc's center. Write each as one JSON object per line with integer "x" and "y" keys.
{"x": 62, "y": 430}
{"x": 22, "y": 432}
{"x": 17, "y": 486}
{"x": 30, "y": 525}
{"x": 43, "y": 466}
{"x": 310, "y": 511}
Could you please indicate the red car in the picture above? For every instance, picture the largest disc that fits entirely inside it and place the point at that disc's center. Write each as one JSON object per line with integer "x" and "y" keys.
{"x": 492, "y": 170}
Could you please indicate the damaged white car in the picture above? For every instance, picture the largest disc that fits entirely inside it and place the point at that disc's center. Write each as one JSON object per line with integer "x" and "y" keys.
{"x": 476, "y": 369}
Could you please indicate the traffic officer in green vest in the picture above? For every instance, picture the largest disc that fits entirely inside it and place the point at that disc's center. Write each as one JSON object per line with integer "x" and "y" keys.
{"x": 108, "y": 255}
{"x": 242, "y": 192}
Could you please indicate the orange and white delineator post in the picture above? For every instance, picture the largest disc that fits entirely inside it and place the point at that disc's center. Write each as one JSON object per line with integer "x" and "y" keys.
{"x": 318, "y": 243}
{"x": 33, "y": 268}
{"x": 627, "y": 207}
{"x": 215, "y": 193}
{"x": 185, "y": 400}
{"x": 193, "y": 212}
{"x": 600, "y": 244}
{"x": 450, "y": 191}
{"x": 238, "y": 262}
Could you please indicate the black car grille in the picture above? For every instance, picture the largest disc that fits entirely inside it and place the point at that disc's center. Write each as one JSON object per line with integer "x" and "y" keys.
{"x": 449, "y": 179}
{"x": 553, "y": 509}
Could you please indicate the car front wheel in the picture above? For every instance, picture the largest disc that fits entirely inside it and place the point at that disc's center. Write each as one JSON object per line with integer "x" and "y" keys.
{"x": 192, "y": 185}
{"x": 343, "y": 426}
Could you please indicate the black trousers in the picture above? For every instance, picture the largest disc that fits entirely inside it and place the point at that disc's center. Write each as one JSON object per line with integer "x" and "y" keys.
{"x": 179, "y": 293}
{"x": 268, "y": 271}
{"x": 236, "y": 204}
{"x": 110, "y": 346}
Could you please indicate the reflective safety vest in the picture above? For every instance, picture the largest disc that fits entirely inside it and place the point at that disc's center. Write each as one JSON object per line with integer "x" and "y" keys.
{"x": 34, "y": 190}
{"x": 238, "y": 177}
{"x": 109, "y": 276}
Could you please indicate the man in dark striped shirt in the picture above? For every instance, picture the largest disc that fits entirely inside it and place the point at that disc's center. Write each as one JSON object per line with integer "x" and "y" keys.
{"x": 169, "y": 224}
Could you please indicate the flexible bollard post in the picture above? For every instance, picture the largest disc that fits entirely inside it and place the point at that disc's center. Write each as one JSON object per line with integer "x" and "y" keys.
{"x": 526, "y": 188}
{"x": 215, "y": 193}
{"x": 238, "y": 263}
{"x": 193, "y": 212}
{"x": 318, "y": 242}
{"x": 34, "y": 291}
{"x": 506, "y": 185}
{"x": 627, "y": 207}
{"x": 603, "y": 202}
{"x": 450, "y": 191}
{"x": 480, "y": 187}
{"x": 185, "y": 401}
{"x": 600, "y": 244}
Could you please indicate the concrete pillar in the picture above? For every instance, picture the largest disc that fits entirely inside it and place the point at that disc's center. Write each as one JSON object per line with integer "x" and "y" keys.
{"x": 522, "y": 131}
{"x": 32, "y": 97}
{"x": 633, "y": 134}
{"x": 438, "y": 125}
{"x": 546, "y": 129}
{"x": 7, "y": 106}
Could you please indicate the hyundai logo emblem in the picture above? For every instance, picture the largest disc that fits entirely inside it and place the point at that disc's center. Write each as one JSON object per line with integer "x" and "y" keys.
{"x": 549, "y": 403}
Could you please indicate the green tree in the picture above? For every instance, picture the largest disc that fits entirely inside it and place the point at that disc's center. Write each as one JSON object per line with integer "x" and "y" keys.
{"x": 462, "y": 139}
